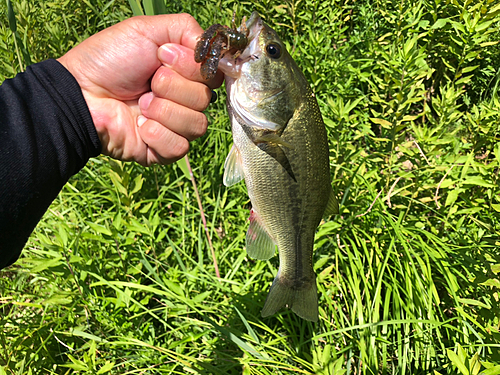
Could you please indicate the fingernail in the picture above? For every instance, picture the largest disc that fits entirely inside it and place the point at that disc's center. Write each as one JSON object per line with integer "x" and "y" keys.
{"x": 167, "y": 55}
{"x": 141, "y": 120}
{"x": 145, "y": 101}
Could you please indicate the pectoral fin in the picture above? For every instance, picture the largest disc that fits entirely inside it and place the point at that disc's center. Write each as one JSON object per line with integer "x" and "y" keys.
{"x": 279, "y": 155}
{"x": 332, "y": 207}
{"x": 233, "y": 171}
{"x": 273, "y": 138}
{"x": 259, "y": 244}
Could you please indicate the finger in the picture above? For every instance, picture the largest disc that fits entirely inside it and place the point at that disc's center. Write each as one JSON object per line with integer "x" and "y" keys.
{"x": 169, "y": 28}
{"x": 164, "y": 145}
{"x": 184, "y": 121}
{"x": 181, "y": 59}
{"x": 170, "y": 85}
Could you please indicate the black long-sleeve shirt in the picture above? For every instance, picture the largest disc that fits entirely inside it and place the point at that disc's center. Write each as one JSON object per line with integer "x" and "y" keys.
{"x": 46, "y": 136}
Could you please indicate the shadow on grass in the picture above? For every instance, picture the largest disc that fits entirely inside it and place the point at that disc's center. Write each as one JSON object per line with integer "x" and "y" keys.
{"x": 239, "y": 346}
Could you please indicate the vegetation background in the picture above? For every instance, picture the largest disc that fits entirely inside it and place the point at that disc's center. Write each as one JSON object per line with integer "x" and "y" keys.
{"x": 118, "y": 277}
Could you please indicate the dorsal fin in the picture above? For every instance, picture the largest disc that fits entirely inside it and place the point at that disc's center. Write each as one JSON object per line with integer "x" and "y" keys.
{"x": 332, "y": 207}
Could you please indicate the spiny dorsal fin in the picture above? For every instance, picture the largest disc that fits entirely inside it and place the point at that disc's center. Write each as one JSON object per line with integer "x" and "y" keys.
{"x": 233, "y": 172}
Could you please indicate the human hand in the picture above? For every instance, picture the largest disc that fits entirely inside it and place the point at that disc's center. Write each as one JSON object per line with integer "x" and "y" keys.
{"x": 143, "y": 88}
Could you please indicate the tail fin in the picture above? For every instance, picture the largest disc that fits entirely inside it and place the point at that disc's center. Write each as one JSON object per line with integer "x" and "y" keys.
{"x": 303, "y": 301}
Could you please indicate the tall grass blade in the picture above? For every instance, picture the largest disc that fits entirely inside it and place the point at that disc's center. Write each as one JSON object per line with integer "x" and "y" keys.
{"x": 149, "y": 8}
{"x": 12, "y": 17}
{"x": 202, "y": 213}
{"x": 13, "y": 27}
{"x": 136, "y": 7}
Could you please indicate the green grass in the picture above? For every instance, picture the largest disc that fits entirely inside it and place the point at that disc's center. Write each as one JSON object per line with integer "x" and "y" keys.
{"x": 118, "y": 277}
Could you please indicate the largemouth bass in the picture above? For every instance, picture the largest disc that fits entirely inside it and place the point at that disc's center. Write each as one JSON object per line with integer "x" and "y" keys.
{"x": 281, "y": 151}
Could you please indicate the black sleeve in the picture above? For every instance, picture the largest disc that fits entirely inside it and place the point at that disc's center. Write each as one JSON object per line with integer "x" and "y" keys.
{"x": 46, "y": 136}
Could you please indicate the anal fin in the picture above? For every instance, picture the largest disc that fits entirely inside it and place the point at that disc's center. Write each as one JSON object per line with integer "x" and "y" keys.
{"x": 258, "y": 242}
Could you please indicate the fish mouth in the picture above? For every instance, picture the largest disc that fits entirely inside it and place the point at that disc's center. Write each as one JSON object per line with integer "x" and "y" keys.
{"x": 230, "y": 66}
{"x": 254, "y": 24}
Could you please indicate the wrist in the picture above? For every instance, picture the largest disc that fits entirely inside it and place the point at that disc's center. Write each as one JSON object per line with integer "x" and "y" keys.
{"x": 93, "y": 106}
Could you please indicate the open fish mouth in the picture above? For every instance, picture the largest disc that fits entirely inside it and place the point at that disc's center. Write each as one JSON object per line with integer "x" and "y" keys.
{"x": 231, "y": 63}
{"x": 253, "y": 25}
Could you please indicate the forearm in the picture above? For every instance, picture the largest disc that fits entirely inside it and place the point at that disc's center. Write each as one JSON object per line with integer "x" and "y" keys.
{"x": 46, "y": 136}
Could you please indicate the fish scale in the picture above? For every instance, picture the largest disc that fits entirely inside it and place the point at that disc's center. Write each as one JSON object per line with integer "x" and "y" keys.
{"x": 281, "y": 150}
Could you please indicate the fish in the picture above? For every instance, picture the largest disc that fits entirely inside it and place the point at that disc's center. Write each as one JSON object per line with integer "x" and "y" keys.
{"x": 280, "y": 149}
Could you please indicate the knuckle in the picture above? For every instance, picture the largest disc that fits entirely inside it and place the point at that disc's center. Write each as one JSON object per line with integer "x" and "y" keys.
{"x": 200, "y": 98}
{"x": 204, "y": 99}
{"x": 162, "y": 111}
{"x": 149, "y": 131}
{"x": 179, "y": 148}
{"x": 200, "y": 125}
{"x": 163, "y": 82}
{"x": 187, "y": 19}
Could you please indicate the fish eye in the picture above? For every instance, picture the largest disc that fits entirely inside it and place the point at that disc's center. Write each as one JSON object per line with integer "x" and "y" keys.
{"x": 273, "y": 50}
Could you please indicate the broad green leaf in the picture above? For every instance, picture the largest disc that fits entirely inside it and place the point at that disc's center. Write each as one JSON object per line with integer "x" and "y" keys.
{"x": 488, "y": 44}
{"x": 465, "y": 169}
{"x": 462, "y": 355}
{"x": 409, "y": 45}
{"x": 497, "y": 151}
{"x": 439, "y": 23}
{"x": 457, "y": 362}
{"x": 107, "y": 367}
{"x": 477, "y": 181}
{"x": 118, "y": 183}
{"x": 384, "y": 123}
{"x": 463, "y": 81}
{"x": 410, "y": 117}
{"x": 78, "y": 332}
{"x": 495, "y": 268}
{"x": 159, "y": 7}
{"x": 184, "y": 167}
{"x": 201, "y": 297}
{"x": 58, "y": 299}
{"x": 452, "y": 196}
{"x": 475, "y": 364}
{"x": 469, "y": 69}
{"x": 138, "y": 181}
{"x": 473, "y": 302}
{"x": 483, "y": 25}
{"x": 492, "y": 282}
{"x": 99, "y": 228}
{"x": 244, "y": 345}
{"x": 491, "y": 371}
{"x": 174, "y": 287}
